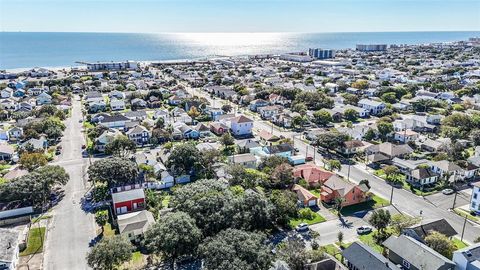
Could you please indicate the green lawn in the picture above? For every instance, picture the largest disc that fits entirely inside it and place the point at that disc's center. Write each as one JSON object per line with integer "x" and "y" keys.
{"x": 458, "y": 244}
{"x": 406, "y": 185}
{"x": 315, "y": 192}
{"x": 374, "y": 203}
{"x": 332, "y": 250}
{"x": 370, "y": 241}
{"x": 136, "y": 262}
{"x": 36, "y": 237}
{"x": 37, "y": 219}
{"x": 464, "y": 213}
{"x": 108, "y": 230}
{"x": 317, "y": 219}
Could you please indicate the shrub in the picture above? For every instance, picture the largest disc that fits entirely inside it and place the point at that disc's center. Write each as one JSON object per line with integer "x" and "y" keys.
{"x": 306, "y": 213}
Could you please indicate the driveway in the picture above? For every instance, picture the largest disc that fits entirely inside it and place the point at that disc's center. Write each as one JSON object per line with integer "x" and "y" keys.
{"x": 71, "y": 229}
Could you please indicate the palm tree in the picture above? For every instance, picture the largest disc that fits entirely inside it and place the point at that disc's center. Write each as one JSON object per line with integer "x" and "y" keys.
{"x": 338, "y": 205}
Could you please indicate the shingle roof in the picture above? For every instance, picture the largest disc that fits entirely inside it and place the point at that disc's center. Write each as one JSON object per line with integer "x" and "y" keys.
{"x": 364, "y": 257}
{"x": 8, "y": 244}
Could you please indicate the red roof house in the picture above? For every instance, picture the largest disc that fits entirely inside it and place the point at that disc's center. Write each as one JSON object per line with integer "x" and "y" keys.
{"x": 304, "y": 196}
{"x": 128, "y": 201}
{"x": 314, "y": 175}
{"x": 337, "y": 187}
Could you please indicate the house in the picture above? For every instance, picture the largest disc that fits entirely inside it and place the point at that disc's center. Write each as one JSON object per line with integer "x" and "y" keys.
{"x": 386, "y": 151}
{"x": 351, "y": 147}
{"x": 135, "y": 224}
{"x": 138, "y": 103}
{"x": 6, "y": 151}
{"x": 406, "y": 136}
{"x": 282, "y": 150}
{"x": 106, "y": 137}
{"x": 9, "y": 249}
{"x": 218, "y": 128}
{"x": 414, "y": 255}
{"x": 93, "y": 96}
{"x": 117, "y": 104}
{"x": 305, "y": 197}
{"x": 139, "y": 134}
{"x": 6, "y": 93}
{"x": 97, "y": 106}
{"x": 203, "y": 130}
{"x": 475, "y": 198}
{"x": 267, "y": 137}
{"x": 266, "y": 112}
{"x": 247, "y": 160}
{"x": 443, "y": 167}
{"x": 115, "y": 94}
{"x": 359, "y": 256}
{"x": 175, "y": 100}
{"x": 136, "y": 115}
{"x": 257, "y": 103}
{"x": 44, "y": 98}
{"x": 314, "y": 175}
{"x": 113, "y": 121}
{"x": 241, "y": 126}
{"x": 421, "y": 176}
{"x": 39, "y": 144}
{"x": 420, "y": 231}
{"x": 245, "y": 146}
{"x": 434, "y": 145}
{"x": 467, "y": 258}
{"x": 374, "y": 107}
{"x": 127, "y": 201}
{"x": 337, "y": 187}
{"x": 187, "y": 132}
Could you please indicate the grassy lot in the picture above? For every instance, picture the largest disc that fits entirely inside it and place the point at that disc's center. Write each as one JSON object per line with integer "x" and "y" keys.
{"x": 374, "y": 203}
{"x": 317, "y": 219}
{"x": 108, "y": 230}
{"x": 464, "y": 213}
{"x": 332, "y": 250}
{"x": 37, "y": 219}
{"x": 36, "y": 237}
{"x": 370, "y": 241}
{"x": 458, "y": 244}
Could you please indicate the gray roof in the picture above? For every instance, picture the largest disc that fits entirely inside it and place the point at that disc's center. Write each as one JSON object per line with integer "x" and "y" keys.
{"x": 417, "y": 254}
{"x": 471, "y": 253}
{"x": 439, "y": 225}
{"x": 128, "y": 195}
{"x": 364, "y": 257}
{"x": 8, "y": 244}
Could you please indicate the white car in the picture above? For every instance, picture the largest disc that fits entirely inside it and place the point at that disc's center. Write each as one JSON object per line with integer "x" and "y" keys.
{"x": 448, "y": 191}
{"x": 364, "y": 229}
{"x": 301, "y": 227}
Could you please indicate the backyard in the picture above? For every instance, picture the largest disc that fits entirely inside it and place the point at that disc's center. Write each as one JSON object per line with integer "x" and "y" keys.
{"x": 374, "y": 203}
{"x": 307, "y": 216}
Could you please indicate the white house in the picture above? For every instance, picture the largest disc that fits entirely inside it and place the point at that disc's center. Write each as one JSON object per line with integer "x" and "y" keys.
{"x": 117, "y": 104}
{"x": 374, "y": 107}
{"x": 239, "y": 125}
{"x": 44, "y": 98}
{"x": 406, "y": 136}
{"x": 6, "y": 93}
{"x": 475, "y": 199}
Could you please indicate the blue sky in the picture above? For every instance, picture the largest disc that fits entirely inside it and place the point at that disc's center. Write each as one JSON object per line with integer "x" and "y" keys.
{"x": 239, "y": 15}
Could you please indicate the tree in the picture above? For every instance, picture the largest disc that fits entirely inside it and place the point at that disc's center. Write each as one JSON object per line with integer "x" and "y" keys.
{"x": 113, "y": 171}
{"x": 294, "y": 253}
{"x": 31, "y": 161}
{"x": 360, "y": 84}
{"x": 389, "y": 97}
{"x": 322, "y": 117}
{"x": 109, "y": 253}
{"x": 285, "y": 204}
{"x": 269, "y": 163}
{"x": 101, "y": 217}
{"x": 390, "y": 171}
{"x": 193, "y": 112}
{"x": 207, "y": 161}
{"x": 173, "y": 236}
{"x": 350, "y": 114}
{"x": 340, "y": 237}
{"x": 282, "y": 175}
{"x": 399, "y": 222}
{"x": 300, "y": 108}
{"x": 384, "y": 128}
{"x": 331, "y": 140}
{"x": 380, "y": 219}
{"x": 160, "y": 123}
{"x": 227, "y": 139}
{"x": 369, "y": 135}
{"x": 440, "y": 243}
{"x": 334, "y": 164}
{"x": 227, "y": 108}
{"x": 338, "y": 205}
{"x": 235, "y": 249}
{"x": 475, "y": 136}
{"x": 350, "y": 99}
{"x": 121, "y": 146}
{"x": 184, "y": 158}
{"x": 51, "y": 175}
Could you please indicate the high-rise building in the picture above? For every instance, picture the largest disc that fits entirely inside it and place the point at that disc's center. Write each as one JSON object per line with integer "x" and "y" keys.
{"x": 371, "y": 47}
{"x": 321, "y": 53}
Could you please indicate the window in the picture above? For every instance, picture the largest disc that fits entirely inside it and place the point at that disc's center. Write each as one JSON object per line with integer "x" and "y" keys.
{"x": 475, "y": 196}
{"x": 474, "y": 205}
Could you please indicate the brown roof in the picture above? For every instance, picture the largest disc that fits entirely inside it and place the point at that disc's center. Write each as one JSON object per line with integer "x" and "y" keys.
{"x": 303, "y": 194}
{"x": 241, "y": 119}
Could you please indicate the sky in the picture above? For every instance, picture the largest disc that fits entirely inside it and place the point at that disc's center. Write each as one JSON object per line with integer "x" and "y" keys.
{"x": 159, "y": 16}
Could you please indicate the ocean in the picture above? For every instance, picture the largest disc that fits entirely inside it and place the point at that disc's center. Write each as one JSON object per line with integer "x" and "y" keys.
{"x": 23, "y": 50}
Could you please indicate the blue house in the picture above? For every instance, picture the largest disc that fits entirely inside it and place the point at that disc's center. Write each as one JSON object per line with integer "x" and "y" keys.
{"x": 282, "y": 150}
{"x": 19, "y": 93}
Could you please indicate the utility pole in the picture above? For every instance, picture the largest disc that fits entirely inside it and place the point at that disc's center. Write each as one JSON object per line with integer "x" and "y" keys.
{"x": 391, "y": 196}
{"x": 454, "y": 198}
{"x": 463, "y": 230}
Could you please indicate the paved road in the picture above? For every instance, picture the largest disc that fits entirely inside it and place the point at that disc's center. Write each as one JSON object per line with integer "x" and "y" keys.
{"x": 71, "y": 229}
{"x": 403, "y": 200}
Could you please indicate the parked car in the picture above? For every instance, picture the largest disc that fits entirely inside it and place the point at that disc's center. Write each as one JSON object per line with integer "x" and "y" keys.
{"x": 83, "y": 146}
{"x": 308, "y": 158}
{"x": 448, "y": 191}
{"x": 364, "y": 229}
{"x": 302, "y": 227}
